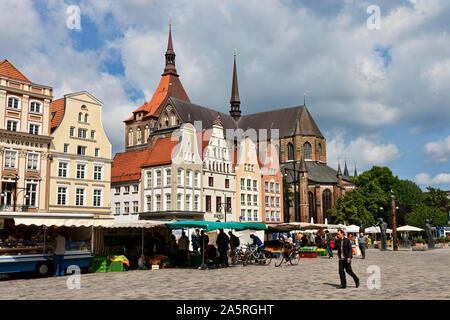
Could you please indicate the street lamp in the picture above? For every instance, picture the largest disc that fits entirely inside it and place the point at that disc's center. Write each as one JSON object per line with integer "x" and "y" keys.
{"x": 394, "y": 209}
{"x": 296, "y": 181}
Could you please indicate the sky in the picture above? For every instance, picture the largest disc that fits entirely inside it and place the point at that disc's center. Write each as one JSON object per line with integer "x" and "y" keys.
{"x": 377, "y": 85}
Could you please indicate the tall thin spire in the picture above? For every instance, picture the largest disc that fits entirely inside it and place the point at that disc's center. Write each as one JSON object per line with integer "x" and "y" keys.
{"x": 339, "y": 172}
{"x": 170, "y": 55}
{"x": 346, "y": 169}
{"x": 235, "y": 101}
{"x": 355, "y": 175}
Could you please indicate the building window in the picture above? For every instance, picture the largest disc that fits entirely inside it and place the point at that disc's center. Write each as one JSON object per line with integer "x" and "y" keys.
{"x": 218, "y": 204}
{"x": 267, "y": 215}
{"x": 86, "y": 118}
{"x": 72, "y": 129}
{"x": 267, "y": 201}
{"x": 135, "y": 188}
{"x": 196, "y": 179}
{"x": 149, "y": 179}
{"x": 208, "y": 203}
{"x": 79, "y": 197}
{"x": 306, "y": 151}
{"x": 34, "y": 128}
{"x": 272, "y": 201}
{"x": 98, "y": 172}
{"x": 249, "y": 184}
{"x": 82, "y": 133}
{"x": 326, "y": 203}
{"x": 126, "y": 206}
{"x": 31, "y": 191}
{"x": 255, "y": 215}
{"x": 277, "y": 188}
{"x": 242, "y": 214}
{"x": 249, "y": 215}
{"x": 158, "y": 202}
{"x": 62, "y": 196}
{"x": 228, "y": 205}
{"x": 97, "y": 201}
{"x": 188, "y": 178}
{"x": 211, "y": 181}
{"x": 62, "y": 169}
{"x": 81, "y": 151}
{"x": 168, "y": 177}
{"x": 242, "y": 184}
{"x": 35, "y": 107}
{"x": 278, "y": 215}
{"x": 255, "y": 185}
{"x": 188, "y": 202}
{"x": 249, "y": 199}
{"x": 135, "y": 207}
{"x": 158, "y": 178}
{"x": 255, "y": 200}
{"x": 179, "y": 196}
{"x": 271, "y": 187}
{"x": 149, "y": 203}
{"x": 127, "y": 190}
{"x": 10, "y": 159}
{"x": 196, "y": 202}
{"x": 117, "y": 207}
{"x": 278, "y": 202}
{"x": 97, "y": 151}
{"x": 13, "y": 103}
{"x": 12, "y": 125}
{"x": 290, "y": 151}
{"x": 227, "y": 183}
{"x": 92, "y": 134}
{"x": 81, "y": 170}
{"x": 168, "y": 201}
{"x": 266, "y": 186}
{"x": 180, "y": 177}
{"x": 80, "y": 116}
{"x": 66, "y": 148}
{"x": 33, "y": 161}
{"x": 117, "y": 190}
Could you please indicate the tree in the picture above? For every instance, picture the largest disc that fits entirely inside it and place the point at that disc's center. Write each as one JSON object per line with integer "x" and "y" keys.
{"x": 352, "y": 209}
{"x": 436, "y": 198}
{"x": 409, "y": 197}
{"x": 418, "y": 216}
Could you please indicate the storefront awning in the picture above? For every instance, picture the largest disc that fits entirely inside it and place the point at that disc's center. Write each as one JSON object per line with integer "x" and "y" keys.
{"x": 212, "y": 225}
{"x": 103, "y": 223}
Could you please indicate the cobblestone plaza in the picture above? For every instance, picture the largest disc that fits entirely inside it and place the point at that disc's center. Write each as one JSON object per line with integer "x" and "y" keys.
{"x": 404, "y": 275}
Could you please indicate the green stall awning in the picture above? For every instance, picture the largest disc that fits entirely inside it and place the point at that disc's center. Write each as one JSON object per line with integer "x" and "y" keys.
{"x": 212, "y": 225}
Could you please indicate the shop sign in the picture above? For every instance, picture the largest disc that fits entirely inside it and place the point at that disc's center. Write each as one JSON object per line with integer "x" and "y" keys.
{"x": 218, "y": 215}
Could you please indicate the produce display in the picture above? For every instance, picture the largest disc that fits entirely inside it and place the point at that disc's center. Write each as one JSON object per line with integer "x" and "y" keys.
{"x": 322, "y": 252}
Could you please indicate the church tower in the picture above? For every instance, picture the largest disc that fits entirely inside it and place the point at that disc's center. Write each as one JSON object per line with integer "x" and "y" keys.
{"x": 235, "y": 102}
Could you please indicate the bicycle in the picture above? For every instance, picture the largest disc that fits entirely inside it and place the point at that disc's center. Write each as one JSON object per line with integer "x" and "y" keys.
{"x": 238, "y": 255}
{"x": 259, "y": 256}
{"x": 290, "y": 253}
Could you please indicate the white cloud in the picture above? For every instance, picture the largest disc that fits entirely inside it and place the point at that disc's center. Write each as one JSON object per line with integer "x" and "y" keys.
{"x": 439, "y": 179}
{"x": 365, "y": 152}
{"x": 438, "y": 150}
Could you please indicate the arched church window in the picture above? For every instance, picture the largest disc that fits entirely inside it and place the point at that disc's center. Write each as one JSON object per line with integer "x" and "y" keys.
{"x": 306, "y": 150}
{"x": 319, "y": 150}
{"x": 326, "y": 204}
{"x": 290, "y": 151}
{"x": 312, "y": 207}
{"x": 130, "y": 137}
{"x": 138, "y": 136}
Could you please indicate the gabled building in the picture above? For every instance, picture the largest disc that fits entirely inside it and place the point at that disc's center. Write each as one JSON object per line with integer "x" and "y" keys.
{"x": 219, "y": 180}
{"x": 24, "y": 141}
{"x": 80, "y": 173}
{"x": 248, "y": 178}
{"x": 271, "y": 186}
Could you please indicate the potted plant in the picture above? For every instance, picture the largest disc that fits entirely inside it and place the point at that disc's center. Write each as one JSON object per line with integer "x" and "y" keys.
{"x": 419, "y": 242}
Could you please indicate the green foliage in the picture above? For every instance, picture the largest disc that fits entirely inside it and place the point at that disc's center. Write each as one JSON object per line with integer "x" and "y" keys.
{"x": 419, "y": 215}
{"x": 436, "y": 198}
{"x": 352, "y": 209}
{"x": 444, "y": 239}
{"x": 419, "y": 240}
{"x": 408, "y": 194}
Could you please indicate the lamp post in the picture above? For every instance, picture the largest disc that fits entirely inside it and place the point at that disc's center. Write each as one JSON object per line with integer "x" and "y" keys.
{"x": 394, "y": 222}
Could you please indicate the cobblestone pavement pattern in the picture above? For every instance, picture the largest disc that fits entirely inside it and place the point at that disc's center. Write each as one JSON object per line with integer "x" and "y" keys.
{"x": 404, "y": 275}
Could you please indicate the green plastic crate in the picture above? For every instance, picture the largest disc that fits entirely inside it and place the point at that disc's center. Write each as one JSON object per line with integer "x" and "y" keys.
{"x": 100, "y": 269}
{"x": 116, "y": 267}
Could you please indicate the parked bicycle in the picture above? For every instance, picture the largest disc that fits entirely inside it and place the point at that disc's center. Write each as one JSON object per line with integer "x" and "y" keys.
{"x": 238, "y": 255}
{"x": 289, "y": 253}
{"x": 252, "y": 254}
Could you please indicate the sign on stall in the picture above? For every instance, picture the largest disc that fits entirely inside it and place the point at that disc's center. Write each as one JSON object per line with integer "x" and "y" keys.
{"x": 155, "y": 266}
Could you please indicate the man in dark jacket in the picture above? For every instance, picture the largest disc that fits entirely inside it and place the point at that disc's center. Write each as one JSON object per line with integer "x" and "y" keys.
{"x": 345, "y": 254}
{"x": 222, "y": 244}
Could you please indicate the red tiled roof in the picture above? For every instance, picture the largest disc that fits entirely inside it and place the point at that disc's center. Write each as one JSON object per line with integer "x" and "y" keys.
{"x": 8, "y": 70}
{"x": 127, "y": 165}
{"x": 203, "y": 141}
{"x": 57, "y": 106}
{"x": 169, "y": 86}
{"x": 161, "y": 152}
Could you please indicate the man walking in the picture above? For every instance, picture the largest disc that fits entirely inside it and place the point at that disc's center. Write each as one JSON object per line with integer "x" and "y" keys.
{"x": 222, "y": 244}
{"x": 58, "y": 258}
{"x": 345, "y": 255}
{"x": 362, "y": 245}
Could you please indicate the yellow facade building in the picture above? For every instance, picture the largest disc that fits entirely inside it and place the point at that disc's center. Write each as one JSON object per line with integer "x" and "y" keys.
{"x": 80, "y": 169}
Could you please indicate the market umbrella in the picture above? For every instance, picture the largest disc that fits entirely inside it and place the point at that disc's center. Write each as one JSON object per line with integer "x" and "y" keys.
{"x": 352, "y": 228}
{"x": 408, "y": 229}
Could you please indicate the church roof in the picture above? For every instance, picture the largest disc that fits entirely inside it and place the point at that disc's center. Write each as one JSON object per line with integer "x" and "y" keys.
{"x": 318, "y": 172}
{"x": 8, "y": 70}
